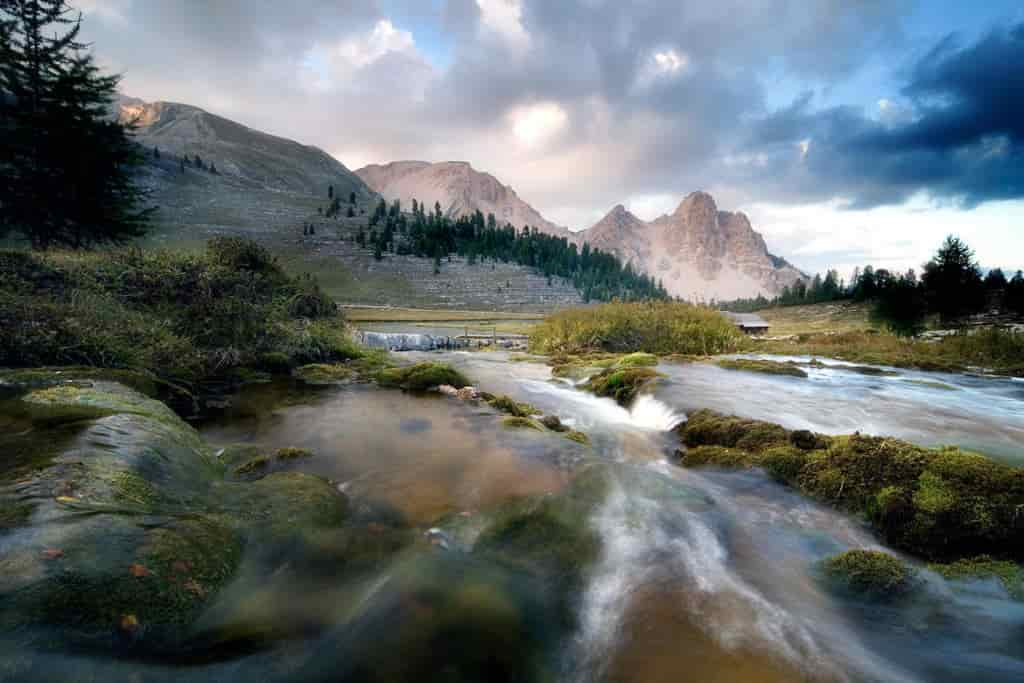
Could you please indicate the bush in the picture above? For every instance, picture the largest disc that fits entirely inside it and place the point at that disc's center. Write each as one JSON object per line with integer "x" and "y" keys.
{"x": 652, "y": 327}
{"x": 623, "y": 385}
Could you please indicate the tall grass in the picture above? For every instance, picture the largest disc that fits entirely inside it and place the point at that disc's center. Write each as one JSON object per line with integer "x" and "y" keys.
{"x": 654, "y": 327}
{"x": 180, "y": 316}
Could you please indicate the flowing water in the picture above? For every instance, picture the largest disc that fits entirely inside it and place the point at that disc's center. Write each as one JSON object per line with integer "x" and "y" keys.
{"x": 701, "y": 575}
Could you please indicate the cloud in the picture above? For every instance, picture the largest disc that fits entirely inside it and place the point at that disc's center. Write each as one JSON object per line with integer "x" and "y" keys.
{"x": 956, "y": 134}
{"x": 583, "y": 104}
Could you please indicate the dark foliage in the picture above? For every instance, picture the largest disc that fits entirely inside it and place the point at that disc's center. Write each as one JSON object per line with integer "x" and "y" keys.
{"x": 65, "y": 165}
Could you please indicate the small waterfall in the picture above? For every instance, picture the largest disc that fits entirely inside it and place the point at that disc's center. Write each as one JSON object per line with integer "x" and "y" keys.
{"x": 647, "y": 413}
{"x": 390, "y": 341}
{"x": 650, "y": 413}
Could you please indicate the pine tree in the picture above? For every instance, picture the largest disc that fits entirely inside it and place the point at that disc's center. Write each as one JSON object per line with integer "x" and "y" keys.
{"x": 952, "y": 281}
{"x": 213, "y": 169}
{"x": 156, "y": 153}
{"x": 330, "y": 191}
{"x": 352, "y": 198}
{"x": 65, "y": 166}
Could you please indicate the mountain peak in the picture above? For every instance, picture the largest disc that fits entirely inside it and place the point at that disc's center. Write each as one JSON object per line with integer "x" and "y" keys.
{"x": 459, "y": 188}
{"x": 697, "y": 201}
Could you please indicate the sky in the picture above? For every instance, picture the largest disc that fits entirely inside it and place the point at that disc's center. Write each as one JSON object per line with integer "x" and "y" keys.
{"x": 849, "y": 132}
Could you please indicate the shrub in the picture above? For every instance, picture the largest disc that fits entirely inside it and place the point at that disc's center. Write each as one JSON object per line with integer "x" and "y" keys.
{"x": 652, "y": 327}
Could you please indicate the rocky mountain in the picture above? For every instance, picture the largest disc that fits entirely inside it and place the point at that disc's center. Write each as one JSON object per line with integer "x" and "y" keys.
{"x": 698, "y": 252}
{"x": 260, "y": 159}
{"x": 459, "y": 188}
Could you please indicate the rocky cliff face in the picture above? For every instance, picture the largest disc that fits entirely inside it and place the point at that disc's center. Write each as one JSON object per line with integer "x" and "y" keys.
{"x": 459, "y": 188}
{"x": 698, "y": 252}
{"x": 259, "y": 159}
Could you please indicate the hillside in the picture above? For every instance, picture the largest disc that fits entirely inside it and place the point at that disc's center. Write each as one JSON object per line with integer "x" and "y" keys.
{"x": 259, "y": 159}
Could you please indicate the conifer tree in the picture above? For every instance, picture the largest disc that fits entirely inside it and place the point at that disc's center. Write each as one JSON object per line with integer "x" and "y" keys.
{"x": 65, "y": 166}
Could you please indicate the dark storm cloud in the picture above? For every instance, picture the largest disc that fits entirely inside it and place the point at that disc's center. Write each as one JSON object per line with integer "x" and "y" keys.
{"x": 963, "y": 139}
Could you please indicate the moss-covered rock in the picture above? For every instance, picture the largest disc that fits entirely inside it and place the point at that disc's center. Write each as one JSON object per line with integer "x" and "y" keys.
{"x": 622, "y": 384}
{"x": 510, "y": 406}
{"x": 768, "y": 367}
{"x": 292, "y": 453}
{"x": 513, "y": 422}
{"x": 637, "y": 360}
{"x": 1010, "y": 574}
{"x": 124, "y": 523}
{"x": 868, "y": 574}
{"x": 717, "y": 456}
{"x": 708, "y": 428}
{"x": 553, "y": 423}
{"x": 578, "y": 437}
{"x": 421, "y": 377}
{"x": 936, "y": 503}
{"x": 257, "y": 465}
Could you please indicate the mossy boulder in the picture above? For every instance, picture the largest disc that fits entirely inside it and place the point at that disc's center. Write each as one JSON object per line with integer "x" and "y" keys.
{"x": 868, "y": 574}
{"x": 708, "y": 428}
{"x": 422, "y": 377}
{"x": 510, "y": 406}
{"x": 578, "y": 437}
{"x": 637, "y": 360}
{"x": 716, "y": 456}
{"x": 553, "y": 423}
{"x": 622, "y": 384}
{"x": 121, "y": 528}
{"x": 768, "y": 367}
{"x": 513, "y": 422}
{"x": 1010, "y": 574}
{"x": 936, "y": 503}
{"x": 292, "y": 453}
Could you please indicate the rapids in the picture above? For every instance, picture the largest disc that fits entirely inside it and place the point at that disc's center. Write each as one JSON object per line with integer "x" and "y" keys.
{"x": 699, "y": 575}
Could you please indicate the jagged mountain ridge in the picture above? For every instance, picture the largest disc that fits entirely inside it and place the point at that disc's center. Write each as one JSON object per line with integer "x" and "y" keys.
{"x": 698, "y": 252}
{"x": 458, "y": 188}
{"x": 258, "y": 158}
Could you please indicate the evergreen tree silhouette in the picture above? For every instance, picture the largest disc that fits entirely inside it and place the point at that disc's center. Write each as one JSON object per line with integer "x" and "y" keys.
{"x": 65, "y": 166}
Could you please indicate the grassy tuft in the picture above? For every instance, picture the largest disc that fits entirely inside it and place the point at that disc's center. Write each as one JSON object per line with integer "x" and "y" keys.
{"x": 182, "y": 316}
{"x": 653, "y": 327}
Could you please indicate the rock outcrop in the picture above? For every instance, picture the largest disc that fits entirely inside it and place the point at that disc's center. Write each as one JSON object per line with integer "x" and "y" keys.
{"x": 698, "y": 252}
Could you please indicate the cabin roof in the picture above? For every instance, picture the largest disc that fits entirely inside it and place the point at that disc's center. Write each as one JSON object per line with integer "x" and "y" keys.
{"x": 748, "y": 320}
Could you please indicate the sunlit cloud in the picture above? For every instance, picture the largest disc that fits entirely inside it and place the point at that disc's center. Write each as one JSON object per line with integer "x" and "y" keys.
{"x": 536, "y": 124}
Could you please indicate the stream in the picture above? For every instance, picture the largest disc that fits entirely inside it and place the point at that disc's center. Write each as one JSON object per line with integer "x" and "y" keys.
{"x": 701, "y": 575}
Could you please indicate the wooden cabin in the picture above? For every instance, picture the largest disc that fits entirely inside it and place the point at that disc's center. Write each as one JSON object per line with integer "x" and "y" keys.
{"x": 749, "y": 323}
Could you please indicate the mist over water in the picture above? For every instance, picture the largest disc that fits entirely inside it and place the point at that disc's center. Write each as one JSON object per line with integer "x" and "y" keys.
{"x": 701, "y": 574}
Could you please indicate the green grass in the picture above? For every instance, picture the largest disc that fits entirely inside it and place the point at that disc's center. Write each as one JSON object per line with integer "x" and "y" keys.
{"x": 993, "y": 349}
{"x": 654, "y": 327}
{"x": 181, "y": 316}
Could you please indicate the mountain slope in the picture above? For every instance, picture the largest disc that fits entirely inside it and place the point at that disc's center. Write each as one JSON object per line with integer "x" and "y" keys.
{"x": 458, "y": 188}
{"x": 264, "y": 160}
